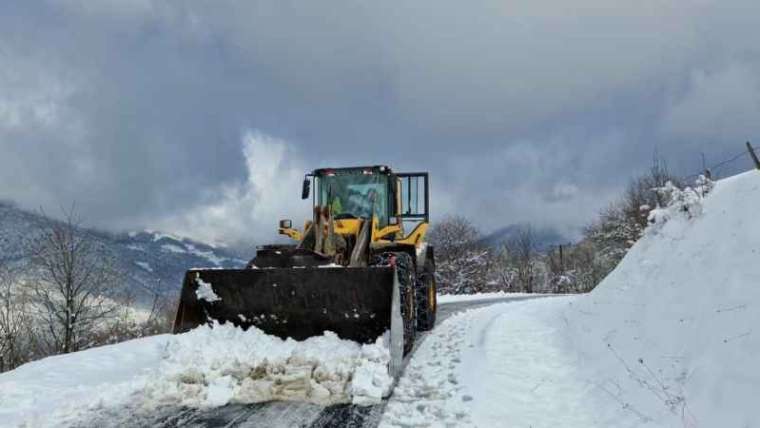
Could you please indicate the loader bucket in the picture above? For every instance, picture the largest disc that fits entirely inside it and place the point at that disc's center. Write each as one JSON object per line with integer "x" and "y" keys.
{"x": 355, "y": 303}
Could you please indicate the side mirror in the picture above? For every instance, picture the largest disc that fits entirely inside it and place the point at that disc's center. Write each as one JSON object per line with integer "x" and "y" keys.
{"x": 305, "y": 189}
{"x": 286, "y": 224}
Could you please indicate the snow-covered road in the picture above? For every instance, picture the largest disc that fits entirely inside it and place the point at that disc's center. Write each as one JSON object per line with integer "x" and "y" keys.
{"x": 46, "y": 394}
{"x": 497, "y": 364}
{"x": 516, "y": 373}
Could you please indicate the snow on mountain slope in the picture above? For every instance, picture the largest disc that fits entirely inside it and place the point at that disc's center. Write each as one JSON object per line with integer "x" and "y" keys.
{"x": 151, "y": 260}
{"x": 672, "y": 336}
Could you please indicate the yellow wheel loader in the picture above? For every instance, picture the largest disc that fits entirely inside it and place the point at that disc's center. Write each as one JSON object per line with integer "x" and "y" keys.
{"x": 360, "y": 268}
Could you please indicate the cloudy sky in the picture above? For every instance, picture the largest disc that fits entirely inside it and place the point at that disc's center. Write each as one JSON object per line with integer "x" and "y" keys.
{"x": 200, "y": 117}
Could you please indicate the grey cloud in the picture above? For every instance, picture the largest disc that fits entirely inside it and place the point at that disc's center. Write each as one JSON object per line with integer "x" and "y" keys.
{"x": 523, "y": 111}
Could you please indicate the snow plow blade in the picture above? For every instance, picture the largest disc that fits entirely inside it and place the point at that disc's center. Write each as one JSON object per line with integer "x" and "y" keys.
{"x": 355, "y": 303}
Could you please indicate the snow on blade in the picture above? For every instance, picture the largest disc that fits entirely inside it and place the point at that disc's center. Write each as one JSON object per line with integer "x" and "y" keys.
{"x": 204, "y": 290}
{"x": 209, "y": 367}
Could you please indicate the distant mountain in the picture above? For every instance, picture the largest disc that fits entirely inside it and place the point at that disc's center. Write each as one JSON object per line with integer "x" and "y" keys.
{"x": 151, "y": 260}
{"x": 545, "y": 237}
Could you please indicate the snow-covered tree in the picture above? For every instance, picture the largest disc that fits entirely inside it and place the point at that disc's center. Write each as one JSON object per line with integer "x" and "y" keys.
{"x": 15, "y": 322}
{"x": 685, "y": 202}
{"x": 501, "y": 274}
{"x": 461, "y": 261}
{"x": 621, "y": 224}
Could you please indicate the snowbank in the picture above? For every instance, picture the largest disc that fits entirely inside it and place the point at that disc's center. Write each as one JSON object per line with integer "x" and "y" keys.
{"x": 50, "y": 391}
{"x": 202, "y": 368}
{"x": 671, "y": 336}
{"x": 498, "y": 295}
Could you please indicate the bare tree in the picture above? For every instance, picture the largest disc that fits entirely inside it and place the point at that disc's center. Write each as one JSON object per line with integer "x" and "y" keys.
{"x": 522, "y": 249}
{"x": 15, "y": 323}
{"x": 131, "y": 322}
{"x": 71, "y": 282}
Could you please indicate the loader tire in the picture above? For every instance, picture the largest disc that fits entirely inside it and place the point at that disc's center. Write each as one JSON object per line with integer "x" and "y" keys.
{"x": 426, "y": 298}
{"x": 405, "y": 271}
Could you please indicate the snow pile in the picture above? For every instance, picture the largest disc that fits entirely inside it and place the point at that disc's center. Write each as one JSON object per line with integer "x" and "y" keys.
{"x": 670, "y": 338}
{"x": 210, "y": 367}
{"x": 200, "y": 369}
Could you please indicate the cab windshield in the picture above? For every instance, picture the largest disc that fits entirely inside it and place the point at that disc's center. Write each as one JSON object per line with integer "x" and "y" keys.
{"x": 351, "y": 195}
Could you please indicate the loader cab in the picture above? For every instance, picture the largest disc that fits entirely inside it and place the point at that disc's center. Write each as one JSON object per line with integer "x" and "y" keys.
{"x": 351, "y": 193}
{"x": 361, "y": 192}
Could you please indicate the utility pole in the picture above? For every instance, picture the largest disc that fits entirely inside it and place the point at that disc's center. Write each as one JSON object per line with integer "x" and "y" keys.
{"x": 704, "y": 163}
{"x": 753, "y": 155}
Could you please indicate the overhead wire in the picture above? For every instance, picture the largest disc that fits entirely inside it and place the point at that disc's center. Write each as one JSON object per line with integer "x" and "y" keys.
{"x": 718, "y": 166}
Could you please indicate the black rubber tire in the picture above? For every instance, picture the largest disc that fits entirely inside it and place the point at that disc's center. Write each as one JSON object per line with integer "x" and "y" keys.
{"x": 427, "y": 304}
{"x": 406, "y": 279}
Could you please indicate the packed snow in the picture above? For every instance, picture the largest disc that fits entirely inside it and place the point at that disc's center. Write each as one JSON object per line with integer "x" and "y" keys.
{"x": 206, "y": 367}
{"x": 431, "y": 389}
{"x": 517, "y": 374}
{"x": 494, "y": 366}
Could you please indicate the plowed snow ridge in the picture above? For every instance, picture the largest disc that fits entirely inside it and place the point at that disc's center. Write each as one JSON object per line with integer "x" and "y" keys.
{"x": 201, "y": 368}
